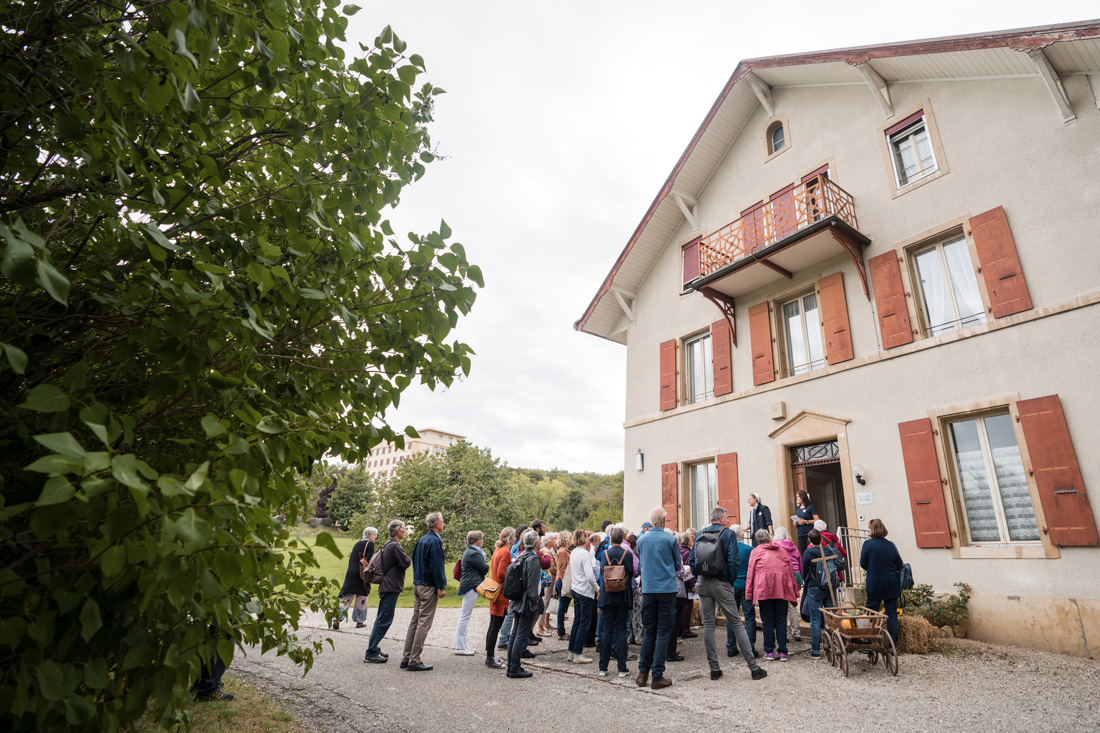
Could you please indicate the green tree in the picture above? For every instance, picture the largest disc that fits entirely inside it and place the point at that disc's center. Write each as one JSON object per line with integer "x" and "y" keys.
{"x": 199, "y": 298}
{"x": 353, "y": 493}
{"x": 535, "y": 500}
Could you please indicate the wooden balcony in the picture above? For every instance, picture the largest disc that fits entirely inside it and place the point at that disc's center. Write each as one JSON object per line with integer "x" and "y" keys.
{"x": 804, "y": 224}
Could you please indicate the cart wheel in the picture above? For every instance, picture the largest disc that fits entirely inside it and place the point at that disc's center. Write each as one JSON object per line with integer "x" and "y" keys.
{"x": 827, "y": 647}
{"x": 842, "y": 655}
{"x": 873, "y": 656}
{"x": 889, "y": 653}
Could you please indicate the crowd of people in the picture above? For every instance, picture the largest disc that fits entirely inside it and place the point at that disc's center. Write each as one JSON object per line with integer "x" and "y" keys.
{"x": 625, "y": 589}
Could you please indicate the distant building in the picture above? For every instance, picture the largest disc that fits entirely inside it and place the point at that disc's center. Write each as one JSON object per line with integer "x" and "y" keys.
{"x": 928, "y": 363}
{"x": 385, "y": 459}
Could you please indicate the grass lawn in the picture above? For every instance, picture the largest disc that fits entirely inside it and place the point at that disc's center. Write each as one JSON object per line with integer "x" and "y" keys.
{"x": 334, "y": 569}
{"x": 249, "y": 712}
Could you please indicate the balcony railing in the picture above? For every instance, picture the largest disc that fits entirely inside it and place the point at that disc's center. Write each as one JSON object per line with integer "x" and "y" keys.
{"x": 784, "y": 215}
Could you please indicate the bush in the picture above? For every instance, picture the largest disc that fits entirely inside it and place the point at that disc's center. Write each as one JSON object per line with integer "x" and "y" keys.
{"x": 946, "y": 609}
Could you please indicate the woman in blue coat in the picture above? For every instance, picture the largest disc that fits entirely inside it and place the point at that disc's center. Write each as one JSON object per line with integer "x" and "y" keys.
{"x": 882, "y": 563}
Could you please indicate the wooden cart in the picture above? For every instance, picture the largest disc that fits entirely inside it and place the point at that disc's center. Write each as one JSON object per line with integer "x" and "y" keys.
{"x": 847, "y": 631}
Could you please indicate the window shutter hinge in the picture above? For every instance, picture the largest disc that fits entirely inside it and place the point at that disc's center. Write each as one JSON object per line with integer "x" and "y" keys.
{"x": 935, "y": 432}
{"x": 979, "y": 269}
{"x": 1017, "y": 418}
{"x": 943, "y": 481}
{"x": 1046, "y": 530}
{"x": 954, "y": 533}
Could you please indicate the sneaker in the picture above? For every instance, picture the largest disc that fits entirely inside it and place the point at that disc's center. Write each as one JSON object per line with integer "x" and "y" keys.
{"x": 603, "y": 673}
{"x": 797, "y": 637}
{"x": 571, "y": 656}
{"x": 464, "y": 652}
{"x": 759, "y": 673}
{"x": 493, "y": 663}
{"x": 715, "y": 674}
{"x": 215, "y": 696}
{"x": 526, "y": 655}
{"x": 581, "y": 659}
{"x": 769, "y": 657}
{"x": 782, "y": 657}
{"x": 625, "y": 673}
{"x": 812, "y": 655}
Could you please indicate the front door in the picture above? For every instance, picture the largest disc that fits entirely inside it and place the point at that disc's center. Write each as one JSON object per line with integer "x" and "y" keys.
{"x": 817, "y": 471}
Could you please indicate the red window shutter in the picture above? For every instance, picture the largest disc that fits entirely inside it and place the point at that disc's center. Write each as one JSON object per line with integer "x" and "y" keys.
{"x": 760, "y": 338}
{"x": 893, "y": 313}
{"x": 834, "y": 317}
{"x": 721, "y": 358}
{"x": 904, "y": 123}
{"x": 691, "y": 260}
{"x": 1004, "y": 278}
{"x": 668, "y": 375}
{"x": 728, "y": 494}
{"x": 1069, "y": 518}
{"x": 670, "y": 493}
{"x": 922, "y": 472}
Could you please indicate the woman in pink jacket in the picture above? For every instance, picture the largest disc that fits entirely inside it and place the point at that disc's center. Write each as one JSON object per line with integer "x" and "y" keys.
{"x": 770, "y": 583}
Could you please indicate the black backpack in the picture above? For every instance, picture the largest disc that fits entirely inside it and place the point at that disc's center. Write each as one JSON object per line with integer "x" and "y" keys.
{"x": 513, "y": 588}
{"x": 710, "y": 561}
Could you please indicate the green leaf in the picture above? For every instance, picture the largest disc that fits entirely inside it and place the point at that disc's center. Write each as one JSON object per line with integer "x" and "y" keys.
{"x": 63, "y": 443}
{"x": 351, "y": 9}
{"x": 193, "y": 530}
{"x": 181, "y": 47}
{"x": 51, "y": 680}
{"x": 474, "y": 273}
{"x": 17, "y": 360}
{"x": 324, "y": 539}
{"x": 221, "y": 382}
{"x": 212, "y": 426}
{"x": 57, "y": 490}
{"x": 46, "y": 398}
{"x": 190, "y": 97}
{"x": 53, "y": 282}
{"x": 158, "y": 93}
{"x": 90, "y": 621}
{"x": 198, "y": 477}
{"x": 272, "y": 425}
{"x": 311, "y": 294}
{"x": 96, "y": 675}
{"x": 444, "y": 230}
{"x": 411, "y": 431}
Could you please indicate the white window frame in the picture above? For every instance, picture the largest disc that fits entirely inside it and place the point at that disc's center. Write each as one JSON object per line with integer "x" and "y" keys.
{"x": 991, "y": 476}
{"x": 781, "y": 323}
{"x": 910, "y": 134}
{"x": 692, "y": 394}
{"x": 945, "y": 272}
{"x": 702, "y": 513}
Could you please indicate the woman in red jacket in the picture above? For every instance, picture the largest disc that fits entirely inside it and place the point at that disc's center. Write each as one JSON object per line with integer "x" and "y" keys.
{"x": 498, "y": 609}
{"x": 770, "y": 583}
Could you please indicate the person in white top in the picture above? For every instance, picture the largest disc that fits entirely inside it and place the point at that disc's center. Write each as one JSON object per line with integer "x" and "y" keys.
{"x": 585, "y": 587}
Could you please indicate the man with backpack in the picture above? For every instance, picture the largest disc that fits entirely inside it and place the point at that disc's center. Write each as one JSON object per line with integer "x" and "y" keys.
{"x": 522, "y": 584}
{"x": 386, "y": 570}
{"x": 714, "y": 560}
{"x": 817, "y": 576}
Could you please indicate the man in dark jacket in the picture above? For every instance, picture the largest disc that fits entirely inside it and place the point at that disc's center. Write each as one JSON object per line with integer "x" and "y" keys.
{"x": 523, "y": 610}
{"x": 429, "y": 585}
{"x": 717, "y": 590}
{"x": 394, "y": 564}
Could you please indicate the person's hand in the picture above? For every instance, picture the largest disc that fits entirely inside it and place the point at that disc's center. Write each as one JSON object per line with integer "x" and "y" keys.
{"x": 442, "y": 593}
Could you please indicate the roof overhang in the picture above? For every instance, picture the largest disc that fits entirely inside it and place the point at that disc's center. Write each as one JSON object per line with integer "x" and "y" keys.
{"x": 1046, "y": 52}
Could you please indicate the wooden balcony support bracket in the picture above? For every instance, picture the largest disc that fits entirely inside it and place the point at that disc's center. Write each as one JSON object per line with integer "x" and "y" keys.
{"x": 1054, "y": 84}
{"x": 621, "y": 300}
{"x": 879, "y": 88}
{"x": 724, "y": 303}
{"x": 855, "y": 251}
{"x": 772, "y": 266}
{"x": 763, "y": 92}
{"x": 684, "y": 202}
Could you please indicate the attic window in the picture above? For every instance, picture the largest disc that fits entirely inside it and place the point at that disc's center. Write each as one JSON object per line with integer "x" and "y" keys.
{"x": 777, "y": 137}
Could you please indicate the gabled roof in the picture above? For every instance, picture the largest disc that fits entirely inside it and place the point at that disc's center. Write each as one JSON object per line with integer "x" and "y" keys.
{"x": 1070, "y": 48}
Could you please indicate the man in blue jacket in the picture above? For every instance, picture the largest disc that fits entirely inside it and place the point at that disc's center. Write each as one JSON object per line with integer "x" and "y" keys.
{"x": 659, "y": 556}
{"x": 429, "y": 585}
{"x": 715, "y": 587}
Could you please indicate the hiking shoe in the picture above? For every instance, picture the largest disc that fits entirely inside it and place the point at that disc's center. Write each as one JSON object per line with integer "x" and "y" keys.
{"x": 215, "y": 696}
{"x": 642, "y": 679}
{"x": 759, "y": 673}
{"x": 769, "y": 657}
{"x": 661, "y": 683}
{"x": 581, "y": 659}
{"x": 782, "y": 657}
{"x": 715, "y": 674}
{"x": 375, "y": 659}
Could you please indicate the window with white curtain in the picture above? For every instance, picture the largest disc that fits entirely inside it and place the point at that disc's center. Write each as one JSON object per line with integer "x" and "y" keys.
{"x": 700, "y": 368}
{"x": 804, "y": 350}
{"x": 990, "y": 477}
{"x": 704, "y": 492}
{"x": 948, "y": 287}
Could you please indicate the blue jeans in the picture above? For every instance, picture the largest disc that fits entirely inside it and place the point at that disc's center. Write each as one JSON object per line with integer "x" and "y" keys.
{"x": 816, "y": 599}
{"x": 382, "y": 620}
{"x": 891, "y": 613}
{"x": 750, "y": 625}
{"x": 773, "y": 614}
{"x": 614, "y": 620}
{"x": 563, "y": 606}
{"x": 582, "y": 619}
{"x": 505, "y": 632}
{"x": 521, "y": 629}
{"x": 658, "y": 618}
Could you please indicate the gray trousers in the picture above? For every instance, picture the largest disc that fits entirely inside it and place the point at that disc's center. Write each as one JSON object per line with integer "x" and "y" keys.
{"x": 714, "y": 592}
{"x": 424, "y": 605}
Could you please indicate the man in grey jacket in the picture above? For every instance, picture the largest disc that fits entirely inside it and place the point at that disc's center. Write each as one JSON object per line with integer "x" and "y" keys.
{"x": 523, "y": 611}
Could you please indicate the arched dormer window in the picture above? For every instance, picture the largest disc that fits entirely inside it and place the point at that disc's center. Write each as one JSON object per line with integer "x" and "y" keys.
{"x": 776, "y": 137}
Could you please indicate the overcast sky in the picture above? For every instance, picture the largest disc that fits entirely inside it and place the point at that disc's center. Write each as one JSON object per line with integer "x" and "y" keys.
{"x": 560, "y": 123}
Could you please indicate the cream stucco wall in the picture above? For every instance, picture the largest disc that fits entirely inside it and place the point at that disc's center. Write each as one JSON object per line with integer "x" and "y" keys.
{"x": 1005, "y": 145}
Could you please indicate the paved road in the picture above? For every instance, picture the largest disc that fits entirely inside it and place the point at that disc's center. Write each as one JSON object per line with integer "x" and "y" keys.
{"x": 970, "y": 686}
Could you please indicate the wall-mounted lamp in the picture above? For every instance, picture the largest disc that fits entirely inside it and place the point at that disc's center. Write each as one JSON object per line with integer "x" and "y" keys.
{"x": 860, "y": 474}
{"x": 639, "y": 460}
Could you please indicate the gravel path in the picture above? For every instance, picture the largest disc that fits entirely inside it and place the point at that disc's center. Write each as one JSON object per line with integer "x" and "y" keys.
{"x": 966, "y": 685}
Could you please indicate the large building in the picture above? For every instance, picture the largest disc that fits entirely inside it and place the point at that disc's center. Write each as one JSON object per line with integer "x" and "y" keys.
{"x": 384, "y": 459}
{"x": 874, "y": 274}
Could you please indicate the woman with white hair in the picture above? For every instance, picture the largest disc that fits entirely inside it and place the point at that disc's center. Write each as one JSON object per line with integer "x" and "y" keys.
{"x": 354, "y": 592}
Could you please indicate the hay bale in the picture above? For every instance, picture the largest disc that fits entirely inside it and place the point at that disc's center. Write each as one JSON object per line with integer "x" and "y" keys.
{"x": 915, "y": 635}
